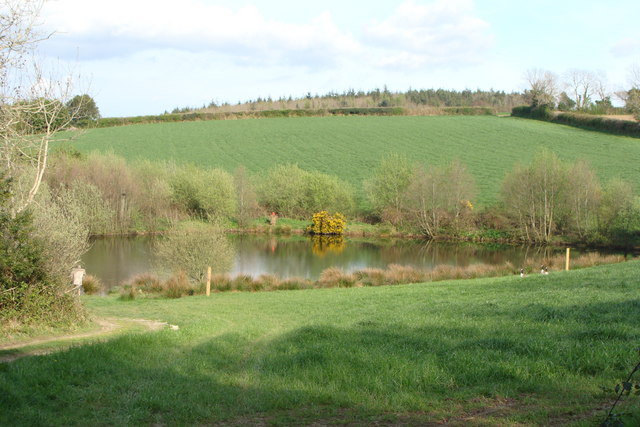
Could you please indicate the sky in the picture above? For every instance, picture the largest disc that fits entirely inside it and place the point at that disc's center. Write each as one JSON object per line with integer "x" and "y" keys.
{"x": 140, "y": 57}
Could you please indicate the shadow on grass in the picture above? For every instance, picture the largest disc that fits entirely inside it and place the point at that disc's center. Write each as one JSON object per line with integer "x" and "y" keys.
{"x": 371, "y": 369}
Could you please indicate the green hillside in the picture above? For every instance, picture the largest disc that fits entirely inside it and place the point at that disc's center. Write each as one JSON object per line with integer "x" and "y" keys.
{"x": 351, "y": 147}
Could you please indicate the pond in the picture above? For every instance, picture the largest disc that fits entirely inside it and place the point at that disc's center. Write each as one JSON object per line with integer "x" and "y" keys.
{"x": 116, "y": 259}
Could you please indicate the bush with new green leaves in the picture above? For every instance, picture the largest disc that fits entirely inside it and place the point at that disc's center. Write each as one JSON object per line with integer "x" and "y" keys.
{"x": 206, "y": 194}
{"x": 293, "y": 192}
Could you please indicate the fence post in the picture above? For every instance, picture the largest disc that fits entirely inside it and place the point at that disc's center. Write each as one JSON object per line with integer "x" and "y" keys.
{"x": 208, "y": 280}
{"x": 566, "y": 267}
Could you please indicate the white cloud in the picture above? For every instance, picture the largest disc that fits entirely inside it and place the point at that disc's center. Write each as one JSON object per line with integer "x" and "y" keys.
{"x": 626, "y": 47}
{"x": 441, "y": 32}
{"x": 121, "y": 27}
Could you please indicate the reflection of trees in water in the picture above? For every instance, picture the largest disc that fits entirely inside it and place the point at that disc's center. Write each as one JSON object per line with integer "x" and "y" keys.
{"x": 539, "y": 254}
{"x": 285, "y": 256}
{"x": 323, "y": 244}
{"x": 114, "y": 259}
{"x": 117, "y": 259}
{"x": 429, "y": 253}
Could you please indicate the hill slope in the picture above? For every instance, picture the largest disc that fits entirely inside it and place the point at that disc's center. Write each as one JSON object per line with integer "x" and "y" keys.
{"x": 350, "y": 147}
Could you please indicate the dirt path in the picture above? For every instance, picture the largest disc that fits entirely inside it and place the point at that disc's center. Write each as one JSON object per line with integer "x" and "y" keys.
{"x": 107, "y": 327}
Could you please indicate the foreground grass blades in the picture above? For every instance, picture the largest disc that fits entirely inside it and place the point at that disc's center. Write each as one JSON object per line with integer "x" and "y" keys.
{"x": 499, "y": 351}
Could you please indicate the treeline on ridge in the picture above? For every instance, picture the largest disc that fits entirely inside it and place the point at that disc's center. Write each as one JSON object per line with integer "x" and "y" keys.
{"x": 375, "y": 102}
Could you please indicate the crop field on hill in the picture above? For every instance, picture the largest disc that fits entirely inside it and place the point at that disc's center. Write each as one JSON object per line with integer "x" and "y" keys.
{"x": 493, "y": 352}
{"x": 351, "y": 147}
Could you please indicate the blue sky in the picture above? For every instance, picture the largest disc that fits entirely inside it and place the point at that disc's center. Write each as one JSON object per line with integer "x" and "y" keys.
{"x": 140, "y": 57}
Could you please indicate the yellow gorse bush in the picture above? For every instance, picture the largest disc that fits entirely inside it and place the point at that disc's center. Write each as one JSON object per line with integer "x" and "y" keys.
{"x": 323, "y": 223}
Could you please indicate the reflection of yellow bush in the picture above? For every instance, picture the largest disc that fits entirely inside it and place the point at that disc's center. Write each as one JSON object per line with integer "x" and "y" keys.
{"x": 323, "y": 244}
{"x": 323, "y": 223}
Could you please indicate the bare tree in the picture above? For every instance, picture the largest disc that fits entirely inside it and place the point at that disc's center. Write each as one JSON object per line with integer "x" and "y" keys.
{"x": 536, "y": 196}
{"x": 32, "y": 103}
{"x": 439, "y": 197}
{"x": 582, "y": 85}
{"x": 543, "y": 87}
{"x": 634, "y": 76}
{"x": 631, "y": 97}
{"x": 601, "y": 87}
{"x": 424, "y": 201}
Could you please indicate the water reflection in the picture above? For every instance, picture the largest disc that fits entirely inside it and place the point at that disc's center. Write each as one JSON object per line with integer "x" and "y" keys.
{"x": 322, "y": 244}
{"x": 116, "y": 259}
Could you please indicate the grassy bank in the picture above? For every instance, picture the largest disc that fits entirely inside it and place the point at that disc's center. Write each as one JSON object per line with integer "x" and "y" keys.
{"x": 500, "y": 351}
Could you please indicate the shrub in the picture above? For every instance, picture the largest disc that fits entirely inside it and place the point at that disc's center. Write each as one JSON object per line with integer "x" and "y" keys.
{"x": 325, "y": 192}
{"x": 269, "y": 281}
{"x": 324, "y": 223}
{"x": 127, "y": 293}
{"x": 540, "y": 112}
{"x": 281, "y": 190}
{"x": 246, "y": 196}
{"x": 155, "y": 207}
{"x": 147, "y": 282}
{"x": 36, "y": 115}
{"x": 336, "y": 277}
{"x": 221, "y": 282}
{"x": 584, "y": 121}
{"x": 91, "y": 285}
{"x": 242, "y": 282}
{"x": 105, "y": 186}
{"x": 296, "y": 193}
{"x": 193, "y": 249}
{"x": 371, "y": 277}
{"x": 389, "y": 182}
{"x": 205, "y": 194}
{"x": 62, "y": 229}
{"x": 28, "y": 294}
{"x": 177, "y": 286}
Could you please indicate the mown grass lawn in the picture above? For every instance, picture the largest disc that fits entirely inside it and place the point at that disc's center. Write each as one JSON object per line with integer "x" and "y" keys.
{"x": 502, "y": 351}
{"x": 351, "y": 147}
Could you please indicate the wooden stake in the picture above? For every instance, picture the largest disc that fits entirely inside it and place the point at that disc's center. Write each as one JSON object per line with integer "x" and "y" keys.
{"x": 208, "y": 280}
{"x": 567, "y": 263}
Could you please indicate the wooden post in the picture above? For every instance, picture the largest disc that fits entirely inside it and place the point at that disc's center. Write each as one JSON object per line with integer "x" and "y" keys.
{"x": 566, "y": 267}
{"x": 208, "y": 280}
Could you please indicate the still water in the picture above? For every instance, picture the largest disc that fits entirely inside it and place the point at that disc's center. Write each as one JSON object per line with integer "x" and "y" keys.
{"x": 116, "y": 259}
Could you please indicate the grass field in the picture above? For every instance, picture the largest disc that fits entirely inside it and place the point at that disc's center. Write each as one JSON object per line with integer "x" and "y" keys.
{"x": 502, "y": 351}
{"x": 350, "y": 147}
